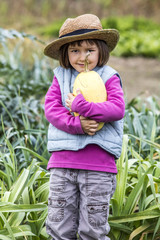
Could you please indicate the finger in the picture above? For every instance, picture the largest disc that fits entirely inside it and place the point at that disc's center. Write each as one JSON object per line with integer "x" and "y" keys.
{"x": 68, "y": 99}
{"x": 92, "y": 130}
{"x": 70, "y": 95}
{"x": 89, "y": 121}
{"x": 78, "y": 91}
{"x": 91, "y": 133}
{"x": 67, "y": 103}
{"x": 94, "y": 125}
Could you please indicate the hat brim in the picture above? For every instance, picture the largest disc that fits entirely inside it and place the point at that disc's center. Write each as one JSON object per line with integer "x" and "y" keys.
{"x": 110, "y": 36}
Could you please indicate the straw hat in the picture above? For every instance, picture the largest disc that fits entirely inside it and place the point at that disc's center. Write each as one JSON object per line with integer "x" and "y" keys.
{"x": 87, "y": 26}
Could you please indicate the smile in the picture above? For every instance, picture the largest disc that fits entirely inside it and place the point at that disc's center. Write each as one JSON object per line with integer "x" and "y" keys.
{"x": 80, "y": 64}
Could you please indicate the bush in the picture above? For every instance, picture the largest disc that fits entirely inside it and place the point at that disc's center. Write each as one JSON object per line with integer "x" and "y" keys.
{"x": 138, "y": 36}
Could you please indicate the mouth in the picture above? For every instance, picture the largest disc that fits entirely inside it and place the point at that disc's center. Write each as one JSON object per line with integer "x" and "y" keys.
{"x": 81, "y": 64}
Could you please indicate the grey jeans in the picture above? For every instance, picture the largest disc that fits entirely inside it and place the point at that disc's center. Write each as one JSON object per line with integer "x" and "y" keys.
{"x": 78, "y": 204}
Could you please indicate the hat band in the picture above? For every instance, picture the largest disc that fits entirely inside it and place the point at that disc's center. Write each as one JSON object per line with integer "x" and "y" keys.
{"x": 78, "y": 32}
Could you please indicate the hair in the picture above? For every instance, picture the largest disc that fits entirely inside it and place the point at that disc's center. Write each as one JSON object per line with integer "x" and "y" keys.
{"x": 102, "y": 46}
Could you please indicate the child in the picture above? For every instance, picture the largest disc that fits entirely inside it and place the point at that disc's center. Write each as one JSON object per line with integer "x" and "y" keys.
{"x": 82, "y": 164}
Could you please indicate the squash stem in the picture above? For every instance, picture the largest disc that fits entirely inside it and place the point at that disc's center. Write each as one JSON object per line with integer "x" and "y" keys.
{"x": 86, "y": 62}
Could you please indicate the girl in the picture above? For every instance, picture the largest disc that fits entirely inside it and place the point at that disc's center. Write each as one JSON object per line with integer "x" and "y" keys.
{"x": 82, "y": 164}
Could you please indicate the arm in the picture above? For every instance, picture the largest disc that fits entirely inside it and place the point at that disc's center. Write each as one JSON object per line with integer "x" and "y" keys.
{"x": 61, "y": 118}
{"x": 57, "y": 114}
{"x": 111, "y": 110}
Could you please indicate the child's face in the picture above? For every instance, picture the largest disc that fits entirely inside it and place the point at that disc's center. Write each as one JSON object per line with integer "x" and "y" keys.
{"x": 77, "y": 55}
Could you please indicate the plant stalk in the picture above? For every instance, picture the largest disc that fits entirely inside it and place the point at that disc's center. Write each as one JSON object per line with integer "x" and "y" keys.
{"x": 86, "y": 62}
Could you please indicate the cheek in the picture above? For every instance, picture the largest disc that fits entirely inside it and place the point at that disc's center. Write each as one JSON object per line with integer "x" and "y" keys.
{"x": 71, "y": 58}
{"x": 95, "y": 60}
{"x": 97, "y": 57}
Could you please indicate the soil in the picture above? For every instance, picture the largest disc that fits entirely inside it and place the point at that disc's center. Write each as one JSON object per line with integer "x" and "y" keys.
{"x": 140, "y": 76}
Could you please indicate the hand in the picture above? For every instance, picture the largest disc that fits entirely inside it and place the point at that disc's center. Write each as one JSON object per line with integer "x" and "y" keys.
{"x": 89, "y": 126}
{"x": 70, "y": 99}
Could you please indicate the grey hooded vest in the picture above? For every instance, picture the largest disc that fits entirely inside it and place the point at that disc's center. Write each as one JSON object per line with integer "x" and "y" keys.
{"x": 109, "y": 137}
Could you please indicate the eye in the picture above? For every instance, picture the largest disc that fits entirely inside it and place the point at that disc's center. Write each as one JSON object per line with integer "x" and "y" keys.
{"x": 74, "y": 50}
{"x": 91, "y": 50}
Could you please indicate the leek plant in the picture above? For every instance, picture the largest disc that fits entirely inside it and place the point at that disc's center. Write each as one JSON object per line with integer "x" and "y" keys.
{"x": 135, "y": 206}
{"x": 24, "y": 193}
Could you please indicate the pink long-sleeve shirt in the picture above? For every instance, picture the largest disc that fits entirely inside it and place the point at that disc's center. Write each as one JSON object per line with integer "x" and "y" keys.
{"x": 92, "y": 157}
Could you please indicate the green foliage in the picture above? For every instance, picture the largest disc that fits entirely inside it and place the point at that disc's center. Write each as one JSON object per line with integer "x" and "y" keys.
{"x": 142, "y": 119}
{"x": 11, "y": 34}
{"x": 135, "y": 43}
{"x": 24, "y": 196}
{"x": 23, "y": 85}
{"x": 138, "y": 36}
{"x": 103, "y": 3}
{"x": 52, "y": 30}
{"x": 24, "y": 180}
{"x": 136, "y": 202}
{"x": 4, "y": 8}
{"x": 23, "y": 155}
{"x": 128, "y": 23}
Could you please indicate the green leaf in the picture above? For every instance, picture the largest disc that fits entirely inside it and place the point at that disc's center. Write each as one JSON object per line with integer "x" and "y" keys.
{"x": 19, "y": 186}
{"x": 5, "y": 237}
{"x": 153, "y": 144}
{"x": 15, "y": 219}
{"x": 19, "y": 231}
{"x": 135, "y": 194}
{"x": 150, "y": 213}
{"x": 120, "y": 227}
{"x": 122, "y": 166}
{"x": 22, "y": 207}
{"x": 7, "y": 226}
{"x": 138, "y": 230}
{"x": 44, "y": 161}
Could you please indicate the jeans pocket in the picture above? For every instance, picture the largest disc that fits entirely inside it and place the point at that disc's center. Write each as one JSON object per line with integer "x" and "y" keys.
{"x": 97, "y": 214}
{"x": 56, "y": 209}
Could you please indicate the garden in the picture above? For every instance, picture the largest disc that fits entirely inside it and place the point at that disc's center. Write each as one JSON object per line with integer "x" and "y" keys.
{"x": 25, "y": 75}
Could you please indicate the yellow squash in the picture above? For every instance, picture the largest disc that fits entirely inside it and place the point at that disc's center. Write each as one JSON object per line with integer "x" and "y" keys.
{"x": 92, "y": 87}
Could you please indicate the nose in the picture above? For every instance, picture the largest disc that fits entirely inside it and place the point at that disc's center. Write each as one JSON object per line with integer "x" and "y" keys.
{"x": 82, "y": 56}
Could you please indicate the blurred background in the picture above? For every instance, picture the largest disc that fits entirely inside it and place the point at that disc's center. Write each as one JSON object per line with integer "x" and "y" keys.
{"x": 34, "y": 13}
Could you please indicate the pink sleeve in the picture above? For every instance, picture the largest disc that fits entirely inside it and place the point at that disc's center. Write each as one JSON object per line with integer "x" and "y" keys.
{"x": 57, "y": 114}
{"x": 111, "y": 110}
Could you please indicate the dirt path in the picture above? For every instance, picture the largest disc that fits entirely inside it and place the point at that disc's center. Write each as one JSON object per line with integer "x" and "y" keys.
{"x": 139, "y": 75}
